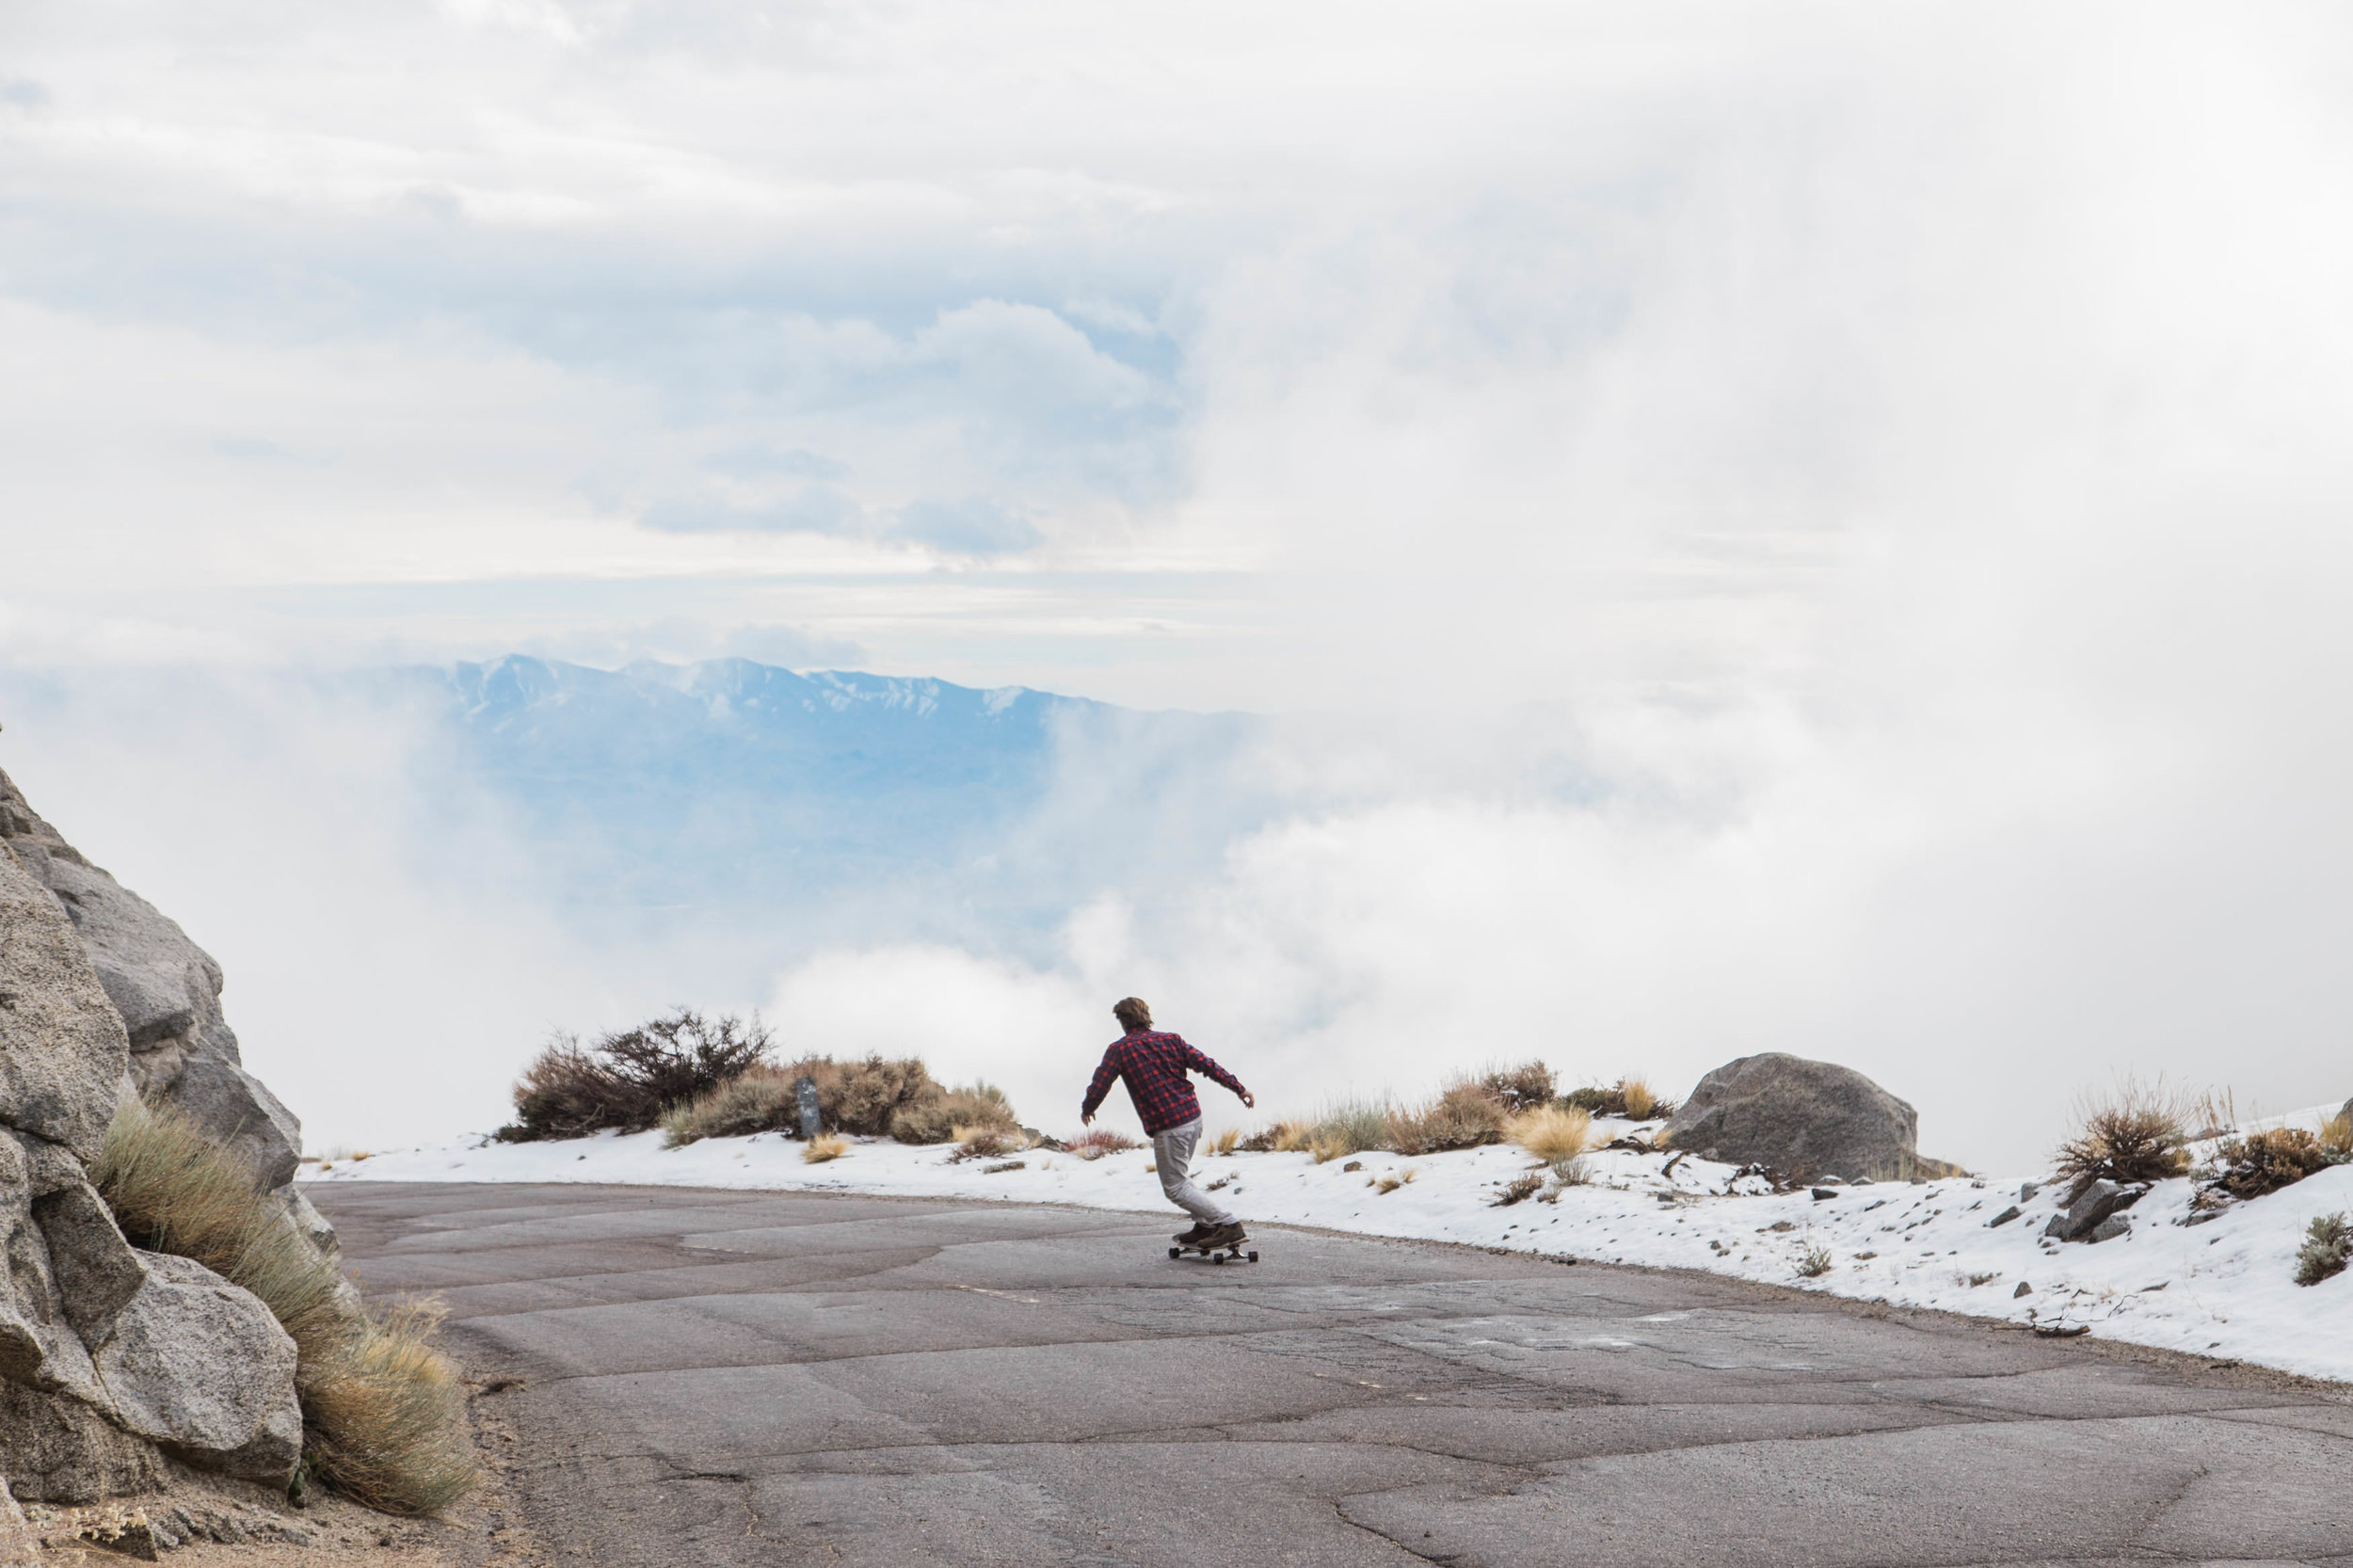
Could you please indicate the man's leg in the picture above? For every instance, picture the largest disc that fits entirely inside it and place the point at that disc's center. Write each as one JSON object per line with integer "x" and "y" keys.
{"x": 1173, "y": 1152}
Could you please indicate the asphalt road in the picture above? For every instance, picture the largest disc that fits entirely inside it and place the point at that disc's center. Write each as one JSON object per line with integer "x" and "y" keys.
{"x": 754, "y": 1378}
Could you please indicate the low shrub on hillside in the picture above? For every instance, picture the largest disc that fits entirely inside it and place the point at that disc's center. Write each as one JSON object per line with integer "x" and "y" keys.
{"x": 1224, "y": 1143}
{"x": 2254, "y": 1164}
{"x": 2337, "y": 1136}
{"x": 1096, "y": 1142}
{"x": 1278, "y": 1137}
{"x": 2327, "y": 1247}
{"x": 1629, "y": 1097}
{"x": 1464, "y": 1115}
{"x": 1521, "y": 1088}
{"x": 1348, "y": 1127}
{"x": 628, "y": 1078}
{"x": 383, "y": 1413}
{"x": 763, "y": 1099}
{"x": 944, "y": 1117}
{"x": 987, "y": 1143}
{"x": 2135, "y": 1137}
{"x": 1552, "y": 1133}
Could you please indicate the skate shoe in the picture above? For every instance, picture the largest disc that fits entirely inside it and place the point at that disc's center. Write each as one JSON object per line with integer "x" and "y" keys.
{"x": 1187, "y": 1237}
{"x": 1223, "y": 1235}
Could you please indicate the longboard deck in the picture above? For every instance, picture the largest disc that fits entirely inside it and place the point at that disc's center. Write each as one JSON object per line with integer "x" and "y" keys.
{"x": 1217, "y": 1254}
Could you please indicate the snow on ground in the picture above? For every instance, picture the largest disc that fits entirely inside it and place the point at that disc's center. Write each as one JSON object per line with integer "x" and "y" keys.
{"x": 2225, "y": 1287}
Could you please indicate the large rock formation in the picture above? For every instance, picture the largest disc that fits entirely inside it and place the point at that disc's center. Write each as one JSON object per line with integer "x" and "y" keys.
{"x": 110, "y": 1356}
{"x": 1806, "y": 1119}
{"x": 167, "y": 991}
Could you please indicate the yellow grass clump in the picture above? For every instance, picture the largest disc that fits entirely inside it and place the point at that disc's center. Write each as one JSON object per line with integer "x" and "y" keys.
{"x": 1224, "y": 1143}
{"x": 825, "y": 1146}
{"x": 383, "y": 1412}
{"x": 1290, "y": 1136}
{"x": 1639, "y": 1101}
{"x": 1552, "y": 1132}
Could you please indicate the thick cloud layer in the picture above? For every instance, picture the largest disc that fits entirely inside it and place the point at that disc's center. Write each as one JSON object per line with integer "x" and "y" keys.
{"x": 1826, "y": 525}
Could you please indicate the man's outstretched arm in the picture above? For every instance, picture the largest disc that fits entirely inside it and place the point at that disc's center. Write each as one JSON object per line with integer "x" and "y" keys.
{"x": 1196, "y": 1062}
{"x": 1105, "y": 1075}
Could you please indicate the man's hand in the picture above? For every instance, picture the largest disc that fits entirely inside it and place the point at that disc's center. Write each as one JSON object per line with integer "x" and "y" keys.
{"x": 1086, "y": 1118}
{"x": 1250, "y": 1099}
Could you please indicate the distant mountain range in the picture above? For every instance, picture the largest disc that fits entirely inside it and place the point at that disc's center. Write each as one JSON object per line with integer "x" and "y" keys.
{"x": 833, "y": 803}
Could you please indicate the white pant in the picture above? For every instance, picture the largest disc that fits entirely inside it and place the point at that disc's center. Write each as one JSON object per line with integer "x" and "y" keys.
{"x": 1173, "y": 1151}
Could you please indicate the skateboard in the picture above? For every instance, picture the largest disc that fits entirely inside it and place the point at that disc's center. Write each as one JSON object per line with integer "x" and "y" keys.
{"x": 1226, "y": 1252}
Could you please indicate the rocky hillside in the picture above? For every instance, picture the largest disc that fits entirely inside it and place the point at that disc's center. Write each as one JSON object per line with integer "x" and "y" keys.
{"x": 112, "y": 1358}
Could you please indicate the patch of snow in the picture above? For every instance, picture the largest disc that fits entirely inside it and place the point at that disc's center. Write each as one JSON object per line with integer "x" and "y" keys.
{"x": 2223, "y": 1288}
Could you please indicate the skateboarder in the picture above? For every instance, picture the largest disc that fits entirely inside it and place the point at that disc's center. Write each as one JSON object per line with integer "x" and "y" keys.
{"x": 1155, "y": 1065}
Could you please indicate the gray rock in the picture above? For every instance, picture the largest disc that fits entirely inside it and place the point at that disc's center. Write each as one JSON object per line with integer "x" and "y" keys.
{"x": 2111, "y": 1227}
{"x": 1800, "y": 1117}
{"x": 202, "y": 1368}
{"x": 97, "y": 1272}
{"x": 2346, "y": 1110}
{"x": 2093, "y": 1205}
{"x": 166, "y": 992}
{"x": 55, "y": 1448}
{"x": 2023, "y": 1289}
{"x": 2026, "y": 1189}
{"x": 2005, "y": 1217}
{"x": 39, "y": 1347}
{"x": 62, "y": 1050}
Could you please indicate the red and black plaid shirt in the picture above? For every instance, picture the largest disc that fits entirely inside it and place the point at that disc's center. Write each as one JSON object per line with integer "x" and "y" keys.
{"x": 1155, "y": 1065}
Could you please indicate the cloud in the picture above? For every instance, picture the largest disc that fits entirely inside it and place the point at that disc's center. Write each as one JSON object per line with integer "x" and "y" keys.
{"x": 973, "y": 526}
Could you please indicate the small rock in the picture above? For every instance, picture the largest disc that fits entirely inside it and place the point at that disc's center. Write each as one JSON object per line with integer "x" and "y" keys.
{"x": 1823, "y": 1194}
{"x": 2023, "y": 1289}
{"x": 2091, "y": 1209}
{"x": 2005, "y": 1217}
{"x": 1353, "y": 1165}
{"x": 2027, "y": 1189}
{"x": 2111, "y": 1227}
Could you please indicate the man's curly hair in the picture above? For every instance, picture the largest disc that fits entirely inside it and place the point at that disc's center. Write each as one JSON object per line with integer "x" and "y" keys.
{"x": 1132, "y": 1013}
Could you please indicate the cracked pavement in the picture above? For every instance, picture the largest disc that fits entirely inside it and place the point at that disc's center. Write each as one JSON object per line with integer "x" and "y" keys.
{"x": 766, "y": 1378}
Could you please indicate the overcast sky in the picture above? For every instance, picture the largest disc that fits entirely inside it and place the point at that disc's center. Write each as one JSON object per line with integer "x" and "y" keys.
{"x": 1906, "y": 445}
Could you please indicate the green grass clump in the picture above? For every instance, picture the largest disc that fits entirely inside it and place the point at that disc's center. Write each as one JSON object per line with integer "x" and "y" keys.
{"x": 2327, "y": 1247}
{"x": 383, "y": 1413}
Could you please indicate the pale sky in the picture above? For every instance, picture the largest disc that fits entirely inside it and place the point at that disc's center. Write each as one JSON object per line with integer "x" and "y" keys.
{"x": 1908, "y": 443}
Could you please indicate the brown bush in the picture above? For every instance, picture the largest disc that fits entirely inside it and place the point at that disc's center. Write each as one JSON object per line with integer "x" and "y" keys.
{"x": 2136, "y": 1137}
{"x": 1521, "y": 1088}
{"x": 763, "y": 1099}
{"x": 987, "y": 1143}
{"x": 628, "y": 1078}
{"x": 2255, "y": 1163}
{"x": 1464, "y": 1115}
{"x": 934, "y": 1118}
{"x": 1096, "y": 1142}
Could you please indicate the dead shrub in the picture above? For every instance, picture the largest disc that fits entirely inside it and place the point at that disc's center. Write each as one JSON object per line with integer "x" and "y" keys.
{"x": 1281, "y": 1138}
{"x": 935, "y": 1117}
{"x": 1224, "y": 1143}
{"x": 383, "y": 1413}
{"x": 1096, "y": 1142}
{"x": 1518, "y": 1191}
{"x": 628, "y": 1078}
{"x": 2135, "y": 1137}
{"x": 1551, "y": 1133}
{"x": 1814, "y": 1264}
{"x": 2337, "y": 1136}
{"x": 1464, "y": 1115}
{"x": 1349, "y": 1127}
{"x": 825, "y": 1146}
{"x": 2255, "y": 1163}
{"x": 2327, "y": 1247}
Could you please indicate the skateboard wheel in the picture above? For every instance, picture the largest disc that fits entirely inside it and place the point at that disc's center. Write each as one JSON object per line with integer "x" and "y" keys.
{"x": 1176, "y": 1252}
{"x": 1253, "y": 1257}
{"x": 1217, "y": 1257}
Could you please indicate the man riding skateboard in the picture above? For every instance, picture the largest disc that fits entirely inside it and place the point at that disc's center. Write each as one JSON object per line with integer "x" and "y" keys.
{"x": 1155, "y": 1065}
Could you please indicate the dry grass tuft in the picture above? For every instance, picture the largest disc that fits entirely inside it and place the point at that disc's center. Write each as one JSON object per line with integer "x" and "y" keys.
{"x": 1639, "y": 1101}
{"x": 1552, "y": 1132}
{"x": 825, "y": 1146}
{"x": 2337, "y": 1136}
{"x": 1814, "y": 1264}
{"x": 1518, "y": 1191}
{"x": 1287, "y": 1136}
{"x": 1464, "y": 1115}
{"x": 2135, "y": 1137}
{"x": 383, "y": 1413}
{"x": 985, "y": 1143}
{"x": 1224, "y": 1143}
{"x": 2327, "y": 1247}
{"x": 1096, "y": 1142}
{"x": 2255, "y": 1163}
{"x": 386, "y": 1416}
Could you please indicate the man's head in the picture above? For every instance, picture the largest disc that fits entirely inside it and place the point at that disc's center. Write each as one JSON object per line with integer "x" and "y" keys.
{"x": 1132, "y": 1014}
